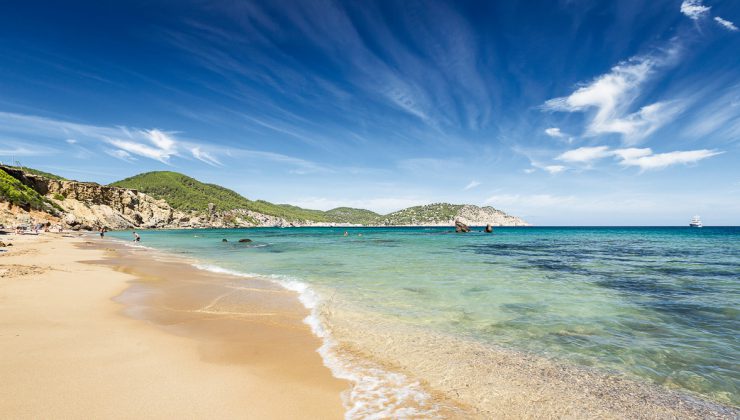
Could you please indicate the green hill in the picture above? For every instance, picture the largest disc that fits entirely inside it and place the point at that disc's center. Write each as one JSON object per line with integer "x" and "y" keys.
{"x": 351, "y": 215}
{"x": 430, "y": 213}
{"x": 182, "y": 192}
{"x": 185, "y": 193}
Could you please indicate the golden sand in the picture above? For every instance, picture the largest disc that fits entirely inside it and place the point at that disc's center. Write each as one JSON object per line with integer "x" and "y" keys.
{"x": 189, "y": 347}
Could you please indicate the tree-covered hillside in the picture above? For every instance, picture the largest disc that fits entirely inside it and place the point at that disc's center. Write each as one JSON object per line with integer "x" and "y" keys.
{"x": 419, "y": 215}
{"x": 352, "y": 215}
{"x": 185, "y": 193}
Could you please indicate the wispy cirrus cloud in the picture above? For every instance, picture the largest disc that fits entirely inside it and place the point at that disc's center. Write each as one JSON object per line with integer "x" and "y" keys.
{"x": 612, "y": 95}
{"x": 129, "y": 144}
{"x": 152, "y": 144}
{"x": 204, "y": 156}
{"x": 11, "y": 150}
{"x": 725, "y": 24}
{"x": 694, "y": 9}
{"x": 471, "y": 185}
{"x": 120, "y": 154}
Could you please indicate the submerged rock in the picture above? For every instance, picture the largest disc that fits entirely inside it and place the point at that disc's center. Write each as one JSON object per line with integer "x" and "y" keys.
{"x": 224, "y": 240}
{"x": 245, "y": 240}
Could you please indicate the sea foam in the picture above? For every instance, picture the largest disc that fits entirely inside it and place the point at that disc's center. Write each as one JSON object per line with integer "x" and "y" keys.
{"x": 376, "y": 393}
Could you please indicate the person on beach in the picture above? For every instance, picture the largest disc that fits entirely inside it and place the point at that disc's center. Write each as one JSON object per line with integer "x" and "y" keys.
{"x": 102, "y": 232}
{"x": 137, "y": 238}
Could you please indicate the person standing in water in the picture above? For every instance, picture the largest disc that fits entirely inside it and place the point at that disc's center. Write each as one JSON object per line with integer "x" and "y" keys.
{"x": 137, "y": 238}
{"x": 102, "y": 232}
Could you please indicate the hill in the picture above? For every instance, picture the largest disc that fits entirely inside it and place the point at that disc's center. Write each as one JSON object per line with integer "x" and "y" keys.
{"x": 172, "y": 200}
{"x": 352, "y": 215}
{"x": 430, "y": 214}
{"x": 183, "y": 192}
{"x": 188, "y": 194}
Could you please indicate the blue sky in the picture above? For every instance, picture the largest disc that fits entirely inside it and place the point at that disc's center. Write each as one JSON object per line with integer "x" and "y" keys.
{"x": 564, "y": 113}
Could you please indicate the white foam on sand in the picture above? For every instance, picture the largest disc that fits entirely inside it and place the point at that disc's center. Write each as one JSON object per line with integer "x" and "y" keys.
{"x": 376, "y": 393}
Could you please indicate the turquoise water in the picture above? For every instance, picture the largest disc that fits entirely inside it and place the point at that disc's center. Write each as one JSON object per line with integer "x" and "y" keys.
{"x": 658, "y": 303}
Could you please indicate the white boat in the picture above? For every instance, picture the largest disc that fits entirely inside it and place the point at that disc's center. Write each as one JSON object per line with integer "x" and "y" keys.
{"x": 695, "y": 222}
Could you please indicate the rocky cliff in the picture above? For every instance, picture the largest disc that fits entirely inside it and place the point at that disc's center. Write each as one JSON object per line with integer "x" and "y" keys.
{"x": 88, "y": 206}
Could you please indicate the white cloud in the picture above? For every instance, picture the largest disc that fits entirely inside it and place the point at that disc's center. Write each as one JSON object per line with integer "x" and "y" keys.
{"x": 162, "y": 147}
{"x": 71, "y": 141}
{"x": 204, "y": 156}
{"x": 300, "y": 166}
{"x": 554, "y": 132}
{"x": 584, "y": 154}
{"x": 611, "y": 96}
{"x": 554, "y": 169}
{"x": 471, "y": 185}
{"x": 725, "y": 24}
{"x": 662, "y": 160}
{"x": 632, "y": 153}
{"x": 694, "y": 9}
{"x": 644, "y": 158}
{"x": 120, "y": 154}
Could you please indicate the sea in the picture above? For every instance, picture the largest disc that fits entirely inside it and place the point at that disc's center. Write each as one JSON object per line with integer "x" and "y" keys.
{"x": 658, "y": 304}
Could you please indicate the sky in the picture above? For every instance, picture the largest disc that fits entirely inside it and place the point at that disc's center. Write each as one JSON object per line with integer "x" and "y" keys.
{"x": 561, "y": 112}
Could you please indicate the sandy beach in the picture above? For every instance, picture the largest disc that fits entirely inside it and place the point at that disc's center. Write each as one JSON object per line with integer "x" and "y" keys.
{"x": 69, "y": 348}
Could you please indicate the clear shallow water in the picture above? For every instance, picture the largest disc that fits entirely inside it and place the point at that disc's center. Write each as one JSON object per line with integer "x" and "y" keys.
{"x": 659, "y": 303}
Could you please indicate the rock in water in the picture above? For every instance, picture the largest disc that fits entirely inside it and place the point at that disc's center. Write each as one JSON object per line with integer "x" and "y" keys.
{"x": 489, "y": 228}
{"x": 461, "y": 227}
{"x": 245, "y": 240}
{"x": 224, "y": 240}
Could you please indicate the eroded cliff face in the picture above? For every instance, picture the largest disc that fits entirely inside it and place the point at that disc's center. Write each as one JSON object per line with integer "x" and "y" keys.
{"x": 90, "y": 206}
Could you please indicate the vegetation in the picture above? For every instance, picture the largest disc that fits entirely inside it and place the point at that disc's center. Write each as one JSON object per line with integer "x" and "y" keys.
{"x": 40, "y": 173}
{"x": 428, "y": 214}
{"x": 188, "y": 194}
{"x": 351, "y": 215}
{"x": 185, "y": 193}
{"x": 182, "y": 192}
{"x": 18, "y": 194}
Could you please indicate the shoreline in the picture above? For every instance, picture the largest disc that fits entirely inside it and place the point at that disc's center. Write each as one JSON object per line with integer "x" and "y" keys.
{"x": 525, "y": 385}
{"x": 70, "y": 346}
{"x": 247, "y": 344}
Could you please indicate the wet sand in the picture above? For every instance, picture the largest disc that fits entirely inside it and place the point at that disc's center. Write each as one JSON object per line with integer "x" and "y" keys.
{"x": 91, "y": 331}
{"x": 495, "y": 382}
